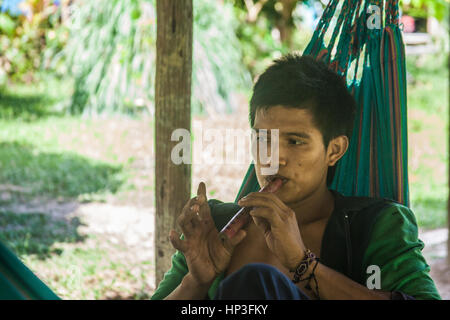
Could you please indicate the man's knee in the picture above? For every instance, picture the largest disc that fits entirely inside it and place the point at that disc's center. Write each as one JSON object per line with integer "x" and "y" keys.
{"x": 258, "y": 281}
{"x": 257, "y": 270}
{"x": 257, "y": 275}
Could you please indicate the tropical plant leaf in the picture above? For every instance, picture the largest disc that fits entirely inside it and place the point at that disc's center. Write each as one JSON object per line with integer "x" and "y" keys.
{"x": 111, "y": 53}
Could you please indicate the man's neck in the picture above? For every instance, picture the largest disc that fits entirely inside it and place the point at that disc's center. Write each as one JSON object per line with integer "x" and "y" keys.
{"x": 317, "y": 207}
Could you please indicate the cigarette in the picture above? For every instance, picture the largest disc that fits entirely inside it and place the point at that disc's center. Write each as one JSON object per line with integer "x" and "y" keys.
{"x": 242, "y": 217}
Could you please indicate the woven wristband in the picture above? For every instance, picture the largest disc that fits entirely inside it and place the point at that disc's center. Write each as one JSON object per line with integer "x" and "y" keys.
{"x": 303, "y": 266}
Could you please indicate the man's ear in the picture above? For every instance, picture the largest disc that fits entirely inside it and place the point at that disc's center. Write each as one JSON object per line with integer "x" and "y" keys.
{"x": 336, "y": 149}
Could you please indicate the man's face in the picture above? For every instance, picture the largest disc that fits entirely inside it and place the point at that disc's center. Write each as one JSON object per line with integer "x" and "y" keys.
{"x": 302, "y": 159}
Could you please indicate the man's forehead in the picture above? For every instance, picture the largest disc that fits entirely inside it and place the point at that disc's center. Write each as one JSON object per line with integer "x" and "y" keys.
{"x": 283, "y": 118}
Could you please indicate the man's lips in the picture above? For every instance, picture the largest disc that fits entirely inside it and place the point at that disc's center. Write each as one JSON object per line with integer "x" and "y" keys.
{"x": 273, "y": 177}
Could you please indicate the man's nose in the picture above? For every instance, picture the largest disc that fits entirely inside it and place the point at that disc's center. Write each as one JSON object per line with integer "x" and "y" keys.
{"x": 282, "y": 156}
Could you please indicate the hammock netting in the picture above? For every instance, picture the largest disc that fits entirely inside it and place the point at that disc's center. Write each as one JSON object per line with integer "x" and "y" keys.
{"x": 370, "y": 56}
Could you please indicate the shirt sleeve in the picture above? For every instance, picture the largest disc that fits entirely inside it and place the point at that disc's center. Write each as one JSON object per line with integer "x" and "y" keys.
{"x": 395, "y": 248}
{"x": 172, "y": 278}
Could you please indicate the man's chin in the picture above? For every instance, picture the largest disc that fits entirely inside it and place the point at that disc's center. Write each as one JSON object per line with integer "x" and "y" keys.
{"x": 287, "y": 197}
{"x": 283, "y": 196}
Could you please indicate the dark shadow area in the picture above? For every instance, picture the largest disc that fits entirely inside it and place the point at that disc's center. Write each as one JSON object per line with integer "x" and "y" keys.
{"x": 56, "y": 174}
{"x": 35, "y": 233}
{"x": 138, "y": 295}
{"x": 27, "y": 107}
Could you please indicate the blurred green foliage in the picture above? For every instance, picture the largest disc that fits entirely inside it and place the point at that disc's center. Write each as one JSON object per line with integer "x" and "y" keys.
{"x": 108, "y": 47}
{"x": 218, "y": 70}
{"x": 425, "y": 8}
{"x": 111, "y": 53}
{"x": 257, "y": 42}
{"x": 260, "y": 28}
{"x": 24, "y": 38}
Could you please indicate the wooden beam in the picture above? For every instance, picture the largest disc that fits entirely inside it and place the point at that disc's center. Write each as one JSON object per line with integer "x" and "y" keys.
{"x": 172, "y": 111}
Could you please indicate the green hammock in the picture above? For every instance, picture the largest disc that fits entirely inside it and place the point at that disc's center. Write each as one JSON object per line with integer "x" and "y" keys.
{"x": 376, "y": 162}
{"x": 17, "y": 282}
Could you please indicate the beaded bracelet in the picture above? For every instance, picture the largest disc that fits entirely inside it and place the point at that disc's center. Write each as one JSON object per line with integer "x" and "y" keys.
{"x": 303, "y": 266}
{"x": 313, "y": 276}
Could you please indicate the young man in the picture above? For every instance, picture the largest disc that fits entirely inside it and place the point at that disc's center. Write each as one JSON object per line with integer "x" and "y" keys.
{"x": 304, "y": 241}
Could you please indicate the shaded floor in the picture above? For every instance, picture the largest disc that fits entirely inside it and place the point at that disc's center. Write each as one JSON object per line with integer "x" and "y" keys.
{"x": 435, "y": 252}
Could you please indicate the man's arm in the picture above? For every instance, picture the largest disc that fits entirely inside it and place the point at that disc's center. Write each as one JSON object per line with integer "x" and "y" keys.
{"x": 333, "y": 285}
{"x": 395, "y": 248}
{"x": 178, "y": 283}
{"x": 172, "y": 278}
{"x": 189, "y": 289}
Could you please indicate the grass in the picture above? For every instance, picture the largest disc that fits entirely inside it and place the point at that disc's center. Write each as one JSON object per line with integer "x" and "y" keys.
{"x": 75, "y": 266}
{"x": 35, "y": 233}
{"x": 33, "y": 154}
{"x": 55, "y": 174}
{"x": 92, "y": 271}
{"x": 29, "y": 102}
{"x": 49, "y": 158}
{"x": 45, "y": 154}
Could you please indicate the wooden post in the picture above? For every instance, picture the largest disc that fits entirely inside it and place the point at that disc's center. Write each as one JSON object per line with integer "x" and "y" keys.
{"x": 172, "y": 111}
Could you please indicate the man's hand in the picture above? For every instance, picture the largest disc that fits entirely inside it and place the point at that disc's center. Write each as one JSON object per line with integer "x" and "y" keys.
{"x": 206, "y": 255}
{"x": 279, "y": 225}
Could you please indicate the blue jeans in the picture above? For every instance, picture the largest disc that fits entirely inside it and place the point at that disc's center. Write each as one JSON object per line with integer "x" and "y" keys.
{"x": 258, "y": 281}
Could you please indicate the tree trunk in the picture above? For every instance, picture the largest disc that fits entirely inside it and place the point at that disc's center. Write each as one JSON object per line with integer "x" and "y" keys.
{"x": 172, "y": 111}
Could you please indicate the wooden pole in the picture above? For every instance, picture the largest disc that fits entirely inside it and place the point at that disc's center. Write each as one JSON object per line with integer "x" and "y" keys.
{"x": 172, "y": 111}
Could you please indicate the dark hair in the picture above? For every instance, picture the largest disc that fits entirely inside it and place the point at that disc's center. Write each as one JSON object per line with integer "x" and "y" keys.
{"x": 294, "y": 80}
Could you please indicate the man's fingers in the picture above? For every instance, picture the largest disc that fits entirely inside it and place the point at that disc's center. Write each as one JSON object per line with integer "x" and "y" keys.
{"x": 185, "y": 211}
{"x": 267, "y": 200}
{"x": 261, "y": 223}
{"x": 196, "y": 220}
{"x": 268, "y": 215}
{"x": 177, "y": 243}
{"x": 187, "y": 221}
{"x": 201, "y": 193}
{"x": 202, "y": 200}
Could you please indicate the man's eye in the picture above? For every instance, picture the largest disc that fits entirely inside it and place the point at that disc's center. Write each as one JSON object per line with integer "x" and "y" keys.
{"x": 296, "y": 142}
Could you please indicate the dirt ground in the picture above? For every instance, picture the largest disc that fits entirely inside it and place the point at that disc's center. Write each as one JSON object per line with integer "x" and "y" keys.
{"x": 125, "y": 223}
{"x": 435, "y": 252}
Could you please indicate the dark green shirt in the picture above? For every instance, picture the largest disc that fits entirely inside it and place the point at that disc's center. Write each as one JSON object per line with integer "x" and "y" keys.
{"x": 394, "y": 247}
